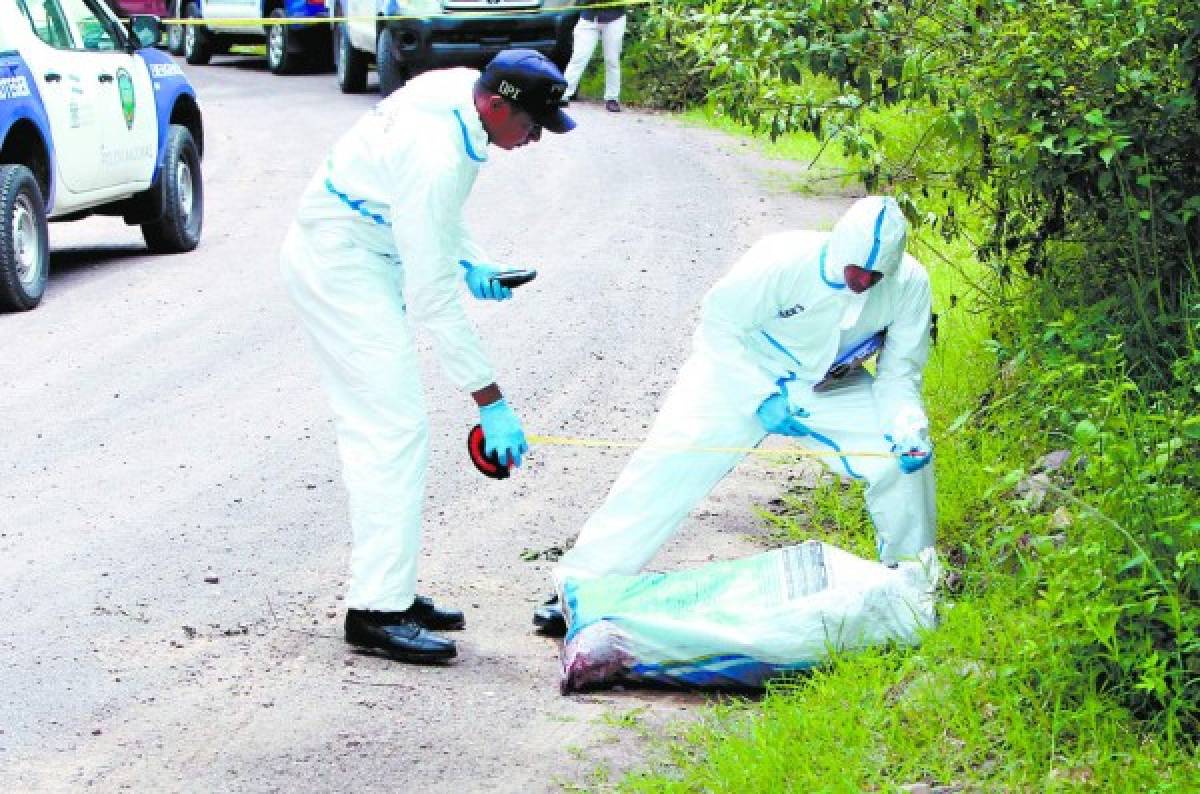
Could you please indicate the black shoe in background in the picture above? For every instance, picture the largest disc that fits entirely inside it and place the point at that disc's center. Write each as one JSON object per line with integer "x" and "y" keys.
{"x": 612, "y": 106}
{"x": 397, "y": 635}
{"x": 549, "y": 620}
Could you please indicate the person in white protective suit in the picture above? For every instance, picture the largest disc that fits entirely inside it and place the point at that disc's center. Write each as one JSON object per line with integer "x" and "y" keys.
{"x": 378, "y": 244}
{"x": 769, "y": 331}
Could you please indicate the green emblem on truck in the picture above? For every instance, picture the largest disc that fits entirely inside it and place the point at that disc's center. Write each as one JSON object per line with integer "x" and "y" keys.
{"x": 128, "y": 99}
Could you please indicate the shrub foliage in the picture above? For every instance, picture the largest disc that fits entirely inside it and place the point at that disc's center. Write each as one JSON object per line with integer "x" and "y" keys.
{"x": 1072, "y": 126}
{"x": 1071, "y": 132}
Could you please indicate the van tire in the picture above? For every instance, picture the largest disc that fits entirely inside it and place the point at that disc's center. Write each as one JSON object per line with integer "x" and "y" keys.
{"x": 280, "y": 60}
{"x": 349, "y": 64}
{"x": 392, "y": 71}
{"x": 174, "y": 32}
{"x": 24, "y": 240}
{"x": 198, "y": 44}
{"x": 182, "y": 190}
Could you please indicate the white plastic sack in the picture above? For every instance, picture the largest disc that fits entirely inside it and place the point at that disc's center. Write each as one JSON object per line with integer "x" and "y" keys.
{"x": 736, "y": 624}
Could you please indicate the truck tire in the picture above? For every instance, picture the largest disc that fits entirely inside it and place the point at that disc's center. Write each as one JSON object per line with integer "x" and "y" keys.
{"x": 178, "y": 230}
{"x": 349, "y": 64}
{"x": 24, "y": 242}
{"x": 197, "y": 40}
{"x": 174, "y": 32}
{"x": 279, "y": 40}
{"x": 392, "y": 71}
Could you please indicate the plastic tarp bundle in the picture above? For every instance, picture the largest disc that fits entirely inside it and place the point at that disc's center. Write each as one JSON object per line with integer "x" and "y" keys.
{"x": 737, "y": 624}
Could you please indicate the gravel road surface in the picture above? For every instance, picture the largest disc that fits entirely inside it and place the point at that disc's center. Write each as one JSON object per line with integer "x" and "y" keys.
{"x": 173, "y": 536}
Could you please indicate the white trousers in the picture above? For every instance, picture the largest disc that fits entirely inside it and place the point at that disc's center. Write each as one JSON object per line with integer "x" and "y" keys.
{"x": 660, "y": 485}
{"x": 350, "y": 304}
{"x": 586, "y": 34}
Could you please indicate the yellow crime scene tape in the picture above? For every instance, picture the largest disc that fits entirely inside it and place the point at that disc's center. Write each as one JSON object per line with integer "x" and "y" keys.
{"x": 560, "y": 441}
{"x": 232, "y": 22}
{"x": 790, "y": 452}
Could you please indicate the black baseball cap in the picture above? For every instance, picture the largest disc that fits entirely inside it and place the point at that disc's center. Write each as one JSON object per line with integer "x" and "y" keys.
{"x": 532, "y": 82}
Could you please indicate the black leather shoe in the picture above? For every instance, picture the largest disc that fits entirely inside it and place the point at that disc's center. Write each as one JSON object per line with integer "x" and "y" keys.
{"x": 549, "y": 620}
{"x": 397, "y": 635}
{"x": 424, "y": 612}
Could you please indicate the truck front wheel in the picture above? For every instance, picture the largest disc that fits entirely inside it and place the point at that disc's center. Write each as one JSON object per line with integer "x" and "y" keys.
{"x": 392, "y": 71}
{"x": 279, "y": 60}
{"x": 24, "y": 248}
{"x": 178, "y": 230}
{"x": 197, "y": 40}
{"x": 349, "y": 64}
{"x": 174, "y": 32}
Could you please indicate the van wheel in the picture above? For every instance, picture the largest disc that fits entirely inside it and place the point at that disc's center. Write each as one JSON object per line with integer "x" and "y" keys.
{"x": 392, "y": 71}
{"x": 24, "y": 242}
{"x": 178, "y": 230}
{"x": 197, "y": 39}
{"x": 279, "y": 37}
{"x": 175, "y": 34}
{"x": 349, "y": 64}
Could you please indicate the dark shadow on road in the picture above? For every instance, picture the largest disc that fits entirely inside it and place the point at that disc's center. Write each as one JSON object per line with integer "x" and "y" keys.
{"x": 65, "y": 261}
{"x": 258, "y": 63}
{"x": 244, "y": 63}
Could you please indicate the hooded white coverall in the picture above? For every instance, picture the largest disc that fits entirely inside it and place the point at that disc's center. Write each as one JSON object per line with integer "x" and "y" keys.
{"x": 376, "y": 243}
{"x": 774, "y": 324}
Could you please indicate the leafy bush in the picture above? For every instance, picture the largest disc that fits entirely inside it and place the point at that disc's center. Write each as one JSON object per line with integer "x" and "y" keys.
{"x": 1071, "y": 129}
{"x": 1073, "y": 126}
{"x": 1111, "y": 537}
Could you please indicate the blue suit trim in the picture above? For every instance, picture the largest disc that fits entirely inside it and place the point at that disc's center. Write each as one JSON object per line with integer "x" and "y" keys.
{"x": 462, "y": 125}
{"x": 357, "y": 205}
{"x": 834, "y": 284}
{"x": 829, "y": 442}
{"x": 871, "y": 257}
{"x": 781, "y": 348}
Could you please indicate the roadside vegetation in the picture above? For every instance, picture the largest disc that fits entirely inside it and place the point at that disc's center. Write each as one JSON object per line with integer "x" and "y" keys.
{"x": 1046, "y": 155}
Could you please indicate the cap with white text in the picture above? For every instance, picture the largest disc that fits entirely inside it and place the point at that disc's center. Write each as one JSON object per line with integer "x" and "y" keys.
{"x": 532, "y": 82}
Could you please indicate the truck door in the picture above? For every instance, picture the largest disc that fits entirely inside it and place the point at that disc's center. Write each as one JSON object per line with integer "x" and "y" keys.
{"x": 126, "y": 115}
{"x": 67, "y": 80}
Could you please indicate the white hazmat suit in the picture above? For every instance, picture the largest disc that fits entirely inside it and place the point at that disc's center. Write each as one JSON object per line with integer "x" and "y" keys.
{"x": 773, "y": 325}
{"x": 376, "y": 243}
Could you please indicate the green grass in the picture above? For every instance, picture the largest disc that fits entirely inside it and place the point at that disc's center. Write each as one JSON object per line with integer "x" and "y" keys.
{"x": 990, "y": 701}
{"x": 953, "y": 712}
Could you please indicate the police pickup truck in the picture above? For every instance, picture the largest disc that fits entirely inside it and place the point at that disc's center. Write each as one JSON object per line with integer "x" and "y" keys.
{"x": 291, "y": 46}
{"x": 404, "y": 37}
{"x": 93, "y": 120}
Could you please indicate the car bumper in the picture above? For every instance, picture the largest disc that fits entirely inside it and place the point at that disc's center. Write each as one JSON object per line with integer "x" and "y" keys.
{"x": 433, "y": 43}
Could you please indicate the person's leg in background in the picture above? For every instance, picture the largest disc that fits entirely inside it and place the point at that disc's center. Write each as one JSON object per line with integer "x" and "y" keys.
{"x": 586, "y": 34}
{"x": 613, "y": 35}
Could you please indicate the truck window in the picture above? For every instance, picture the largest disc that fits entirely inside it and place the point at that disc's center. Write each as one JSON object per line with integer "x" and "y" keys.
{"x": 92, "y": 29}
{"x": 46, "y": 19}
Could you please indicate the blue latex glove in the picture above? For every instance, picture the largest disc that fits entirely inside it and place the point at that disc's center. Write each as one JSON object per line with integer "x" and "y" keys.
{"x": 776, "y": 417}
{"x": 483, "y": 286}
{"x": 502, "y": 433}
{"x": 915, "y": 452}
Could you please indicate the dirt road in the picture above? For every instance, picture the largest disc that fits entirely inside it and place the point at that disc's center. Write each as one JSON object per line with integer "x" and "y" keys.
{"x": 173, "y": 540}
